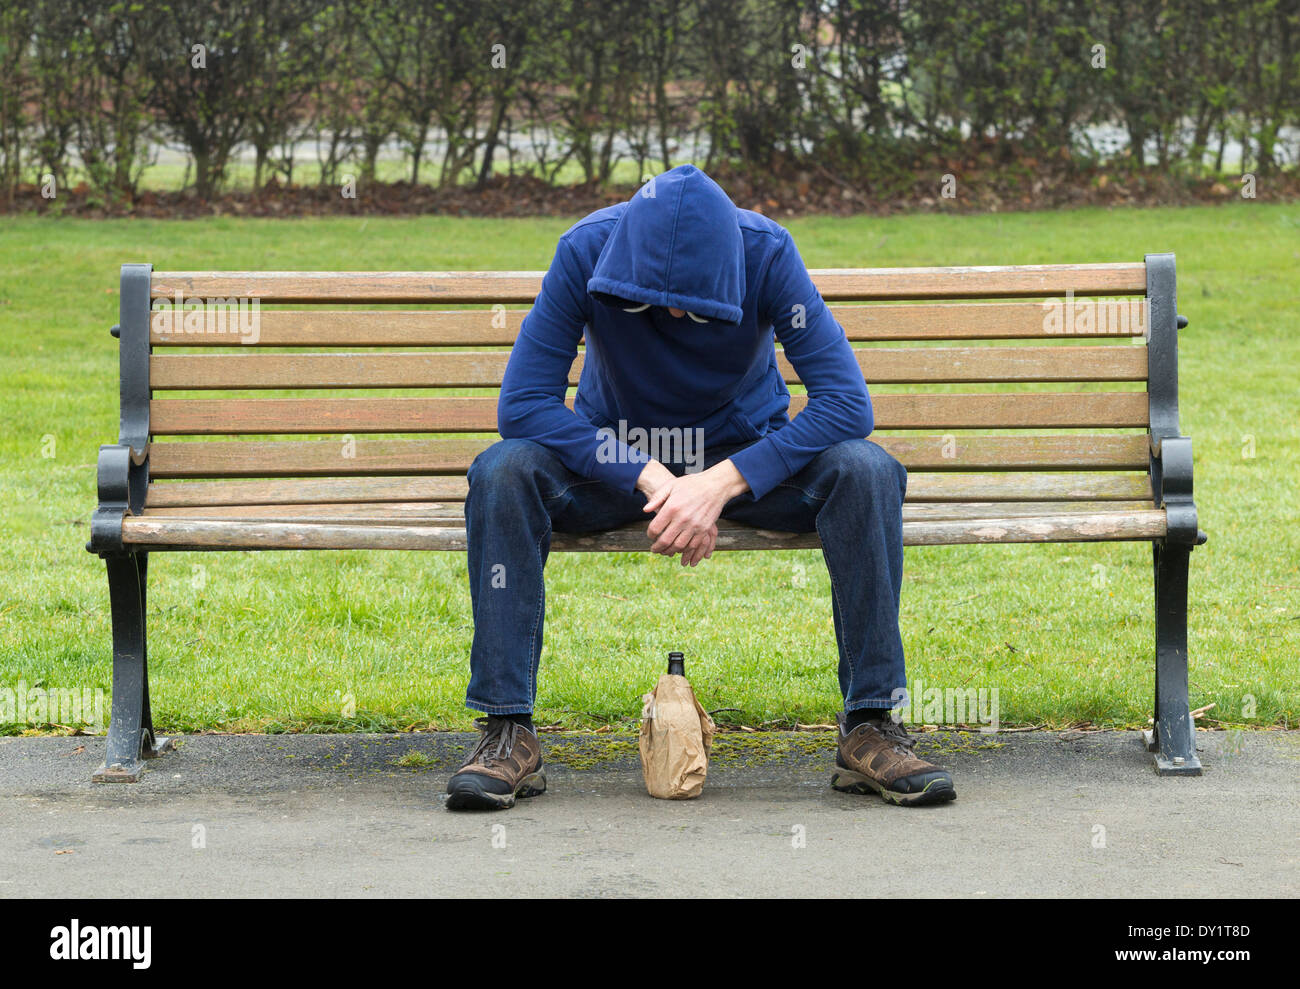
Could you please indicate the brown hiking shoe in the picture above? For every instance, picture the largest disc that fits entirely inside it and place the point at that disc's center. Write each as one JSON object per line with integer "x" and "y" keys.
{"x": 506, "y": 763}
{"x": 877, "y": 756}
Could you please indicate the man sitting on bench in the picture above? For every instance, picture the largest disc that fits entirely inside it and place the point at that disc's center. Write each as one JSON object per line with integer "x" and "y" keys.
{"x": 679, "y": 294}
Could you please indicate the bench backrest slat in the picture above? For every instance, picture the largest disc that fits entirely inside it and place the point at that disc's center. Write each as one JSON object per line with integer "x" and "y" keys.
{"x": 484, "y": 369}
{"x": 1053, "y": 318}
{"x": 1044, "y": 486}
{"x": 459, "y": 287}
{"x": 266, "y": 416}
{"x": 445, "y": 455}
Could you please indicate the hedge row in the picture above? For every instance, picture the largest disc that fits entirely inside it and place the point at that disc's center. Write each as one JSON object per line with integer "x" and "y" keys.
{"x": 858, "y": 89}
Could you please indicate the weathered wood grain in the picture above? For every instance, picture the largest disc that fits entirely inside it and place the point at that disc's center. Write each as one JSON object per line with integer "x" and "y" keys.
{"x": 452, "y": 513}
{"x": 921, "y": 488}
{"x": 835, "y": 284}
{"x": 1053, "y": 318}
{"x": 186, "y": 534}
{"x": 355, "y": 328}
{"x": 1050, "y": 318}
{"x": 484, "y": 369}
{"x": 238, "y": 416}
{"x": 343, "y": 457}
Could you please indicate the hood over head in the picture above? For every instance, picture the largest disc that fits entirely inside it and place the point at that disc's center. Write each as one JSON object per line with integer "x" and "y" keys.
{"x": 677, "y": 244}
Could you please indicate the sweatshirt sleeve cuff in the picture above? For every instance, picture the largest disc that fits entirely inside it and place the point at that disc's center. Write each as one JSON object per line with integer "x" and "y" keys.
{"x": 621, "y": 473}
{"x": 762, "y": 467}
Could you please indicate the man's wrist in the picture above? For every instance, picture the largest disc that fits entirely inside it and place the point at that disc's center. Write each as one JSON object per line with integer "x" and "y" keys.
{"x": 732, "y": 480}
{"x": 724, "y": 473}
{"x": 652, "y": 475}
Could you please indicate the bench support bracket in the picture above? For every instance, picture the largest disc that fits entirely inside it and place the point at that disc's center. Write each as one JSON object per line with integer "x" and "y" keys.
{"x": 1172, "y": 738}
{"x": 131, "y": 737}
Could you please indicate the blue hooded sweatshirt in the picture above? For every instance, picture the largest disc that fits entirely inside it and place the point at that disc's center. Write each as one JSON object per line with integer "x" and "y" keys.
{"x": 681, "y": 243}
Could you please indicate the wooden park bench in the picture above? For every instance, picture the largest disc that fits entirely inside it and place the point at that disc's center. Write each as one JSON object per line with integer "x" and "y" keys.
{"x": 1097, "y": 454}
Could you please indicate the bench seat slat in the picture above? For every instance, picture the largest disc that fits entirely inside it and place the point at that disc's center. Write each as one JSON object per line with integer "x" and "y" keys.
{"x": 200, "y": 534}
{"x": 506, "y": 287}
{"x": 485, "y": 369}
{"x": 1047, "y": 319}
{"x": 352, "y": 490}
{"x": 237, "y": 416}
{"x": 305, "y": 458}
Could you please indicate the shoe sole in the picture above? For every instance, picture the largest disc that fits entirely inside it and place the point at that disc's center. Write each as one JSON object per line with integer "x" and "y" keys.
{"x": 469, "y": 795}
{"x": 935, "y": 792}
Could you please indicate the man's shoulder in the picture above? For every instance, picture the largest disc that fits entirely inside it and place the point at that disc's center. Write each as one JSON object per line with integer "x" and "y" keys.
{"x": 761, "y": 229}
{"x": 764, "y": 240}
{"x": 595, "y": 226}
{"x": 586, "y": 238}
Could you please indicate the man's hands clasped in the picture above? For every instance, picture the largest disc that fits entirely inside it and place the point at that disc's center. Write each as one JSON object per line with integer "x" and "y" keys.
{"x": 686, "y": 509}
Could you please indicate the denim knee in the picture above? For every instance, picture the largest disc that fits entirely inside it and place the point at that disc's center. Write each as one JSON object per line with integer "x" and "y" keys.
{"x": 867, "y": 462}
{"x": 505, "y": 461}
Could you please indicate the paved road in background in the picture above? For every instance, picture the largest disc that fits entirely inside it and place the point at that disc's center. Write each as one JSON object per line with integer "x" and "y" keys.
{"x": 339, "y": 815}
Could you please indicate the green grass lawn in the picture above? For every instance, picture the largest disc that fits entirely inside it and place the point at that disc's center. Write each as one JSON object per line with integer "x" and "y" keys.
{"x": 244, "y": 641}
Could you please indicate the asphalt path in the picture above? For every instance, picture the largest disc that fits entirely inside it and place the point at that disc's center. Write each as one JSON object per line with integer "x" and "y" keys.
{"x": 1037, "y": 814}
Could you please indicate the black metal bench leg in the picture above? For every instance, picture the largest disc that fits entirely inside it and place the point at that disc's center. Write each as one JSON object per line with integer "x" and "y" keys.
{"x": 130, "y": 728}
{"x": 1173, "y": 738}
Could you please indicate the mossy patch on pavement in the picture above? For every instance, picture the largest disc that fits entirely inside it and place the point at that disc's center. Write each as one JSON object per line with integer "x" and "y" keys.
{"x": 742, "y": 750}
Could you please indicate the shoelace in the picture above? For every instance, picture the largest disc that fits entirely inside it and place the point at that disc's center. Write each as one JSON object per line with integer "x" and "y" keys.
{"x": 499, "y": 730}
{"x": 896, "y": 733}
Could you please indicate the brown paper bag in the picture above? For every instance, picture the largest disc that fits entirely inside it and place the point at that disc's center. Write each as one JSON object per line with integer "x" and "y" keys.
{"x": 676, "y": 736}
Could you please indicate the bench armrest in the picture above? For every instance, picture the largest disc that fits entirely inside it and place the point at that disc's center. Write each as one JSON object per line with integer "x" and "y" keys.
{"x": 123, "y": 467}
{"x": 1171, "y": 452}
{"x": 123, "y": 478}
{"x": 1171, "y": 485}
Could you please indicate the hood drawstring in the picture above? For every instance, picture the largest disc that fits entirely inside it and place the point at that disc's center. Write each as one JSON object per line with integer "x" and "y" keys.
{"x": 645, "y": 305}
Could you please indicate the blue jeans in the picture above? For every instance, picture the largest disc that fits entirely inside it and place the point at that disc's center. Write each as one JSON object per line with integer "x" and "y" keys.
{"x": 851, "y": 495}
